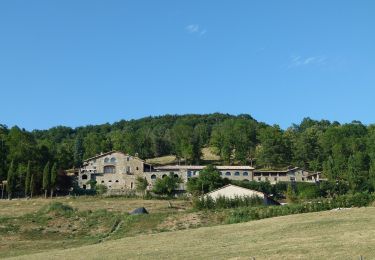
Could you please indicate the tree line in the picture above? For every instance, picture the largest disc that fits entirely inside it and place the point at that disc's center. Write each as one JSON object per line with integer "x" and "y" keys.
{"x": 344, "y": 152}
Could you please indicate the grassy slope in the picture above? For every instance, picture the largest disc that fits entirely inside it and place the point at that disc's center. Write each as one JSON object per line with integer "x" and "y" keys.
{"x": 343, "y": 234}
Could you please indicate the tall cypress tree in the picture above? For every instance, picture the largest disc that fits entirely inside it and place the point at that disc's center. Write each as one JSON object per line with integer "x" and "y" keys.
{"x": 53, "y": 178}
{"x": 11, "y": 180}
{"x": 32, "y": 185}
{"x": 46, "y": 179}
{"x": 78, "y": 151}
{"x": 28, "y": 179}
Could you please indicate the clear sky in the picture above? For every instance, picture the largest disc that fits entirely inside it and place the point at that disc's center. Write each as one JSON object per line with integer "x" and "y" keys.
{"x": 76, "y": 62}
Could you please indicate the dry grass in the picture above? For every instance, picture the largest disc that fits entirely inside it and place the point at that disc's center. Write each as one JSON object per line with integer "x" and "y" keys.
{"x": 22, "y": 206}
{"x": 346, "y": 234}
{"x": 163, "y": 160}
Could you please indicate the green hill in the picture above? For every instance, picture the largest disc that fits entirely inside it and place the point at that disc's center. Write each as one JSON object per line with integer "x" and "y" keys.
{"x": 342, "y": 234}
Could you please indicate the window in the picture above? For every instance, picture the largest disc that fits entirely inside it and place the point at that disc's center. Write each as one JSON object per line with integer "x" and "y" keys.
{"x": 102, "y": 181}
{"x": 259, "y": 178}
{"x": 127, "y": 158}
{"x": 164, "y": 175}
{"x": 153, "y": 177}
{"x": 84, "y": 187}
{"x": 237, "y": 174}
{"x": 113, "y": 160}
{"x": 257, "y": 174}
{"x": 84, "y": 177}
{"x": 106, "y": 160}
{"x": 303, "y": 179}
{"x": 109, "y": 169}
{"x": 245, "y": 174}
{"x": 116, "y": 180}
{"x": 136, "y": 168}
{"x": 274, "y": 174}
{"x": 176, "y": 176}
{"x": 292, "y": 179}
{"x": 228, "y": 174}
{"x": 189, "y": 173}
{"x": 131, "y": 185}
{"x": 127, "y": 169}
{"x": 110, "y": 181}
{"x": 275, "y": 179}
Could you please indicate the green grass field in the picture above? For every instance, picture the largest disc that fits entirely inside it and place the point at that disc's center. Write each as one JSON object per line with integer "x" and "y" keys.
{"x": 344, "y": 234}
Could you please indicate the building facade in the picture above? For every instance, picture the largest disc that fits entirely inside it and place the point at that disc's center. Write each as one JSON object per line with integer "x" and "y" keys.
{"x": 119, "y": 171}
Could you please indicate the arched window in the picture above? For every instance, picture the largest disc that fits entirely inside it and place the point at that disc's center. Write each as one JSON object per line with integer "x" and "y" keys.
{"x": 176, "y": 175}
{"x": 164, "y": 175}
{"x": 113, "y": 160}
{"x": 84, "y": 177}
{"x": 153, "y": 177}
{"x": 106, "y": 160}
{"x": 245, "y": 174}
{"x": 109, "y": 169}
{"x": 228, "y": 174}
{"x": 237, "y": 174}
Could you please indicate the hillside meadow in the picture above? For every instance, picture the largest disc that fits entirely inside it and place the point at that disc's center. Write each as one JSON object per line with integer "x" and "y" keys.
{"x": 335, "y": 234}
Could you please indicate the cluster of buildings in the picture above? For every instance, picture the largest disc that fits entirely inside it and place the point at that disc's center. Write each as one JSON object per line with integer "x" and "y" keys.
{"x": 119, "y": 171}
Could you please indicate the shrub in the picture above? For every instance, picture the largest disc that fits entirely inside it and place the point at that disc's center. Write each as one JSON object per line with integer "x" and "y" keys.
{"x": 101, "y": 189}
{"x": 207, "y": 202}
{"x": 57, "y": 208}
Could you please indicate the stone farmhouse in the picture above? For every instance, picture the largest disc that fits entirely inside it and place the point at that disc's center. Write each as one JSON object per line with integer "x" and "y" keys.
{"x": 118, "y": 171}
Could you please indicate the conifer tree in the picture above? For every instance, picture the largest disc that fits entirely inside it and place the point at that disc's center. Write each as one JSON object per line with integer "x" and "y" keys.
{"x": 11, "y": 182}
{"x": 32, "y": 185}
{"x": 46, "y": 179}
{"x": 53, "y": 178}
{"x": 27, "y": 180}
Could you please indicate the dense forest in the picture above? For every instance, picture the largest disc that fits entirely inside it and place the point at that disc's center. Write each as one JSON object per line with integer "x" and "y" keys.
{"x": 344, "y": 152}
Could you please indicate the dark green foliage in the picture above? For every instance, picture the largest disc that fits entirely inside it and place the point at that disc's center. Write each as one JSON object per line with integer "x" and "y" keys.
{"x": 53, "y": 181}
{"x": 141, "y": 184}
{"x": 11, "y": 179}
{"x": 254, "y": 213}
{"x": 101, "y": 189}
{"x": 46, "y": 178}
{"x": 207, "y": 202}
{"x": 166, "y": 185}
{"x": 28, "y": 179}
{"x": 208, "y": 180}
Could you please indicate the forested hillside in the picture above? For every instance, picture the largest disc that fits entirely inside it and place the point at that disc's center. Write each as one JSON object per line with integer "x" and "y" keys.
{"x": 344, "y": 152}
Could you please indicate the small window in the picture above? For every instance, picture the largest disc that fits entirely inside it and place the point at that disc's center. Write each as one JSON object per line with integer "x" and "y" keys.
{"x": 189, "y": 173}
{"x": 113, "y": 160}
{"x": 245, "y": 174}
{"x": 84, "y": 177}
{"x": 102, "y": 181}
{"x": 164, "y": 175}
{"x": 106, "y": 160}
{"x": 303, "y": 179}
{"x": 127, "y": 158}
{"x": 237, "y": 174}
{"x": 110, "y": 181}
{"x": 292, "y": 179}
{"x": 127, "y": 169}
{"x": 137, "y": 168}
{"x": 257, "y": 174}
{"x": 275, "y": 179}
{"x": 116, "y": 180}
{"x": 176, "y": 176}
{"x": 228, "y": 174}
{"x": 153, "y": 177}
{"x": 84, "y": 187}
{"x": 131, "y": 185}
{"x": 259, "y": 178}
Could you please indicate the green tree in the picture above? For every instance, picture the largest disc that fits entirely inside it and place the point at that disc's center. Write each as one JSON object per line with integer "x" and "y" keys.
{"x": 53, "y": 181}
{"x": 209, "y": 179}
{"x": 78, "y": 151}
{"x": 46, "y": 179}
{"x": 32, "y": 185}
{"x": 28, "y": 179}
{"x": 141, "y": 184}
{"x": 11, "y": 180}
{"x": 166, "y": 185}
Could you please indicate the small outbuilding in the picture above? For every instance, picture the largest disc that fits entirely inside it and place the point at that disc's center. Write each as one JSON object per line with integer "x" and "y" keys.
{"x": 232, "y": 191}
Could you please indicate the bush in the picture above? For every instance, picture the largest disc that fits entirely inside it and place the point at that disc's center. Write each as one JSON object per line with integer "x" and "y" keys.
{"x": 101, "y": 189}
{"x": 346, "y": 201}
{"x": 207, "y": 202}
{"x": 57, "y": 208}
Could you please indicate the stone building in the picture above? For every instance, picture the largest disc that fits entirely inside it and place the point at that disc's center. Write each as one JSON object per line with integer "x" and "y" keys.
{"x": 119, "y": 171}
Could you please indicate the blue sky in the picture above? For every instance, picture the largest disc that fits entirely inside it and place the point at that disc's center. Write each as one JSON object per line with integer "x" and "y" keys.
{"x": 88, "y": 62}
